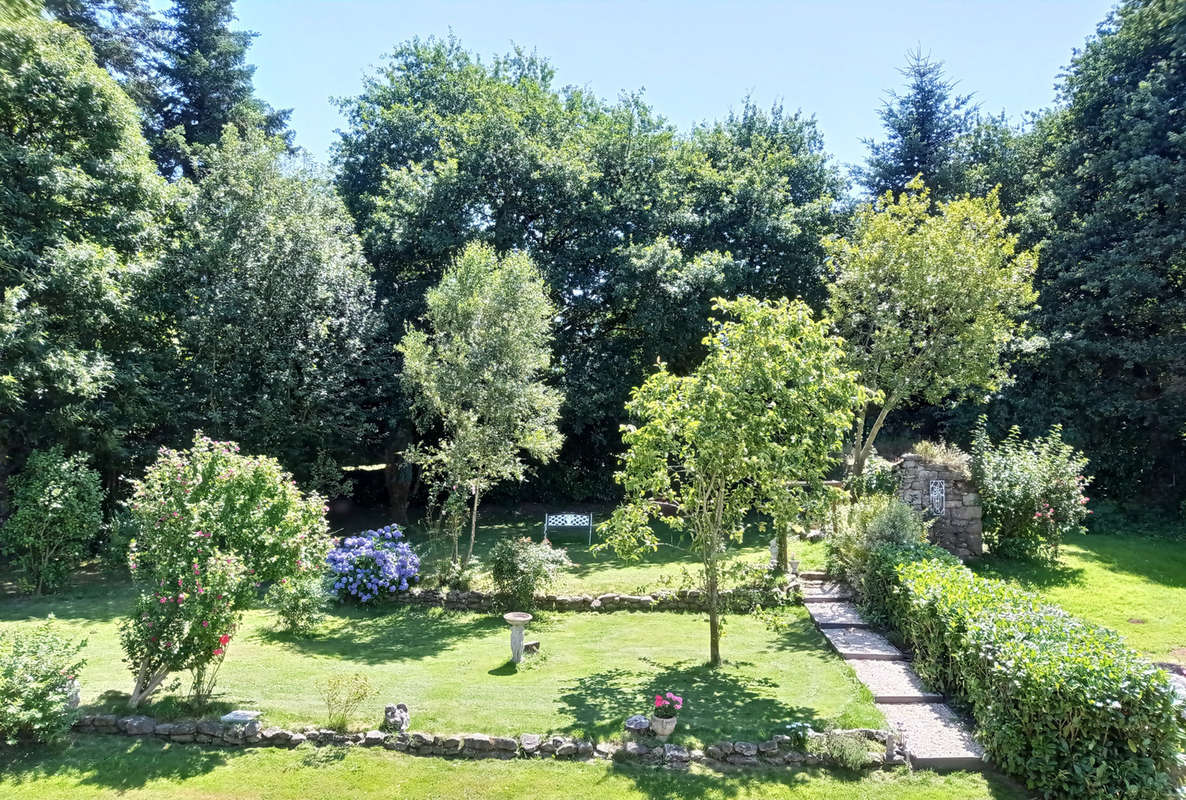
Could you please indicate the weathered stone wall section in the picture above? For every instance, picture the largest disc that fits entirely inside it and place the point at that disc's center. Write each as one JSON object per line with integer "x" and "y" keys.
{"x": 736, "y": 600}
{"x": 958, "y": 529}
{"x": 721, "y": 755}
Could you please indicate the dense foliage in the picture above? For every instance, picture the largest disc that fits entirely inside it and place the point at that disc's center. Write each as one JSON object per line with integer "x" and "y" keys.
{"x": 1031, "y": 491}
{"x": 214, "y": 526}
{"x": 521, "y": 568}
{"x": 1113, "y": 295}
{"x": 1063, "y": 705}
{"x": 272, "y": 309}
{"x": 865, "y": 525}
{"x": 77, "y": 214}
{"x": 768, "y": 406}
{"x": 57, "y": 512}
{"x": 373, "y": 565}
{"x": 634, "y": 227}
{"x": 38, "y": 684}
{"x": 477, "y": 374}
{"x": 928, "y": 300}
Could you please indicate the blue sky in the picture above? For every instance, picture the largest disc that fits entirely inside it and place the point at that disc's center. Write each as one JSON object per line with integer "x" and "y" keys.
{"x": 695, "y": 60}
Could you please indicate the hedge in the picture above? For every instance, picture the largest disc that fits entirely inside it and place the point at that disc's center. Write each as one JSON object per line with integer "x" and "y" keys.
{"x": 1061, "y": 704}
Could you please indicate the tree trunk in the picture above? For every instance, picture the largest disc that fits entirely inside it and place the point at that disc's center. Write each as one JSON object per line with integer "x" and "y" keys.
{"x": 399, "y": 476}
{"x": 714, "y": 619}
{"x": 781, "y": 561}
{"x": 861, "y": 450}
{"x": 473, "y": 529}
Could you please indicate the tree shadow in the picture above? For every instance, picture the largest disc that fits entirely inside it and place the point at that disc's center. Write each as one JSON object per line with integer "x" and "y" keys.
{"x": 97, "y": 599}
{"x": 162, "y": 706}
{"x": 718, "y": 702}
{"x": 1031, "y": 574}
{"x": 1156, "y": 559}
{"x": 404, "y": 633}
{"x": 115, "y": 762}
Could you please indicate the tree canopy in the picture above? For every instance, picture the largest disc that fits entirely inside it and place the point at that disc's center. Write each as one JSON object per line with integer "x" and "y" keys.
{"x": 769, "y": 405}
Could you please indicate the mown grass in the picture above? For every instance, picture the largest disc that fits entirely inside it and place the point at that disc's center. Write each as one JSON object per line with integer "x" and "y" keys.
{"x": 103, "y": 767}
{"x": 452, "y": 669}
{"x": 1134, "y": 583}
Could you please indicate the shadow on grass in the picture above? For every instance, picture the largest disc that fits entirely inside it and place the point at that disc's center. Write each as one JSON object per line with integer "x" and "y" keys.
{"x": 718, "y": 702}
{"x": 91, "y": 597}
{"x": 115, "y": 763}
{"x": 370, "y": 637}
{"x": 1031, "y": 574}
{"x": 165, "y": 707}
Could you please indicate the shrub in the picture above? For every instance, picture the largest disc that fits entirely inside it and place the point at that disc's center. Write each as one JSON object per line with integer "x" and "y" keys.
{"x": 38, "y": 684}
{"x": 520, "y": 568}
{"x": 57, "y": 513}
{"x": 862, "y": 526}
{"x": 946, "y": 455}
{"x": 1062, "y": 704}
{"x": 343, "y": 694}
{"x": 214, "y": 526}
{"x": 373, "y": 565}
{"x": 877, "y": 477}
{"x": 846, "y": 750}
{"x": 299, "y": 601}
{"x": 1032, "y": 492}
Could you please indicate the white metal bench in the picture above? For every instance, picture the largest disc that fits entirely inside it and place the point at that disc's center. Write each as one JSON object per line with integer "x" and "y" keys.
{"x": 569, "y": 519}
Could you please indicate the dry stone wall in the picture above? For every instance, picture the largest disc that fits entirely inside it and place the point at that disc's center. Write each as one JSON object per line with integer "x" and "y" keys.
{"x": 947, "y": 496}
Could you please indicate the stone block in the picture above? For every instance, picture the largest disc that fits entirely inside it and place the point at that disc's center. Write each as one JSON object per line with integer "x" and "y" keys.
{"x": 530, "y": 742}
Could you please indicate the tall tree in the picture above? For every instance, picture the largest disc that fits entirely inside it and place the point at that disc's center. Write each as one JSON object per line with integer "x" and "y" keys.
{"x": 206, "y": 84}
{"x": 924, "y": 128}
{"x": 929, "y": 301}
{"x": 770, "y": 404}
{"x": 1113, "y": 275}
{"x": 618, "y": 211}
{"x": 78, "y": 217}
{"x": 271, "y": 309}
{"x": 477, "y": 373}
{"x": 126, "y": 38}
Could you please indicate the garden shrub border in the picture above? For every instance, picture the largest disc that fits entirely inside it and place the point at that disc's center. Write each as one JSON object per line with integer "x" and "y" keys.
{"x": 738, "y": 600}
{"x": 778, "y": 751}
{"x": 1028, "y": 672}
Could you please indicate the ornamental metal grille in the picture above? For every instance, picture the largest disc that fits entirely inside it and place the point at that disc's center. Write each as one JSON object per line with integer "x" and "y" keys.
{"x": 938, "y": 497}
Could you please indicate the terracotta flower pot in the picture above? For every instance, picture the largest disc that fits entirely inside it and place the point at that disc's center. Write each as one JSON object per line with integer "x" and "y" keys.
{"x": 663, "y": 726}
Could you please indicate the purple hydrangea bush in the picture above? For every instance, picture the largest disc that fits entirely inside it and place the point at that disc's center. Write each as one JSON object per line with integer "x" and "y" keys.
{"x": 372, "y": 565}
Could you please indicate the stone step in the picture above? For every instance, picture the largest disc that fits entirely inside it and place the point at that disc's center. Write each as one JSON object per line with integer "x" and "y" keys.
{"x": 893, "y": 682}
{"x": 859, "y": 644}
{"x": 813, "y": 575}
{"x": 936, "y": 737}
{"x": 825, "y": 592}
{"x": 836, "y": 615}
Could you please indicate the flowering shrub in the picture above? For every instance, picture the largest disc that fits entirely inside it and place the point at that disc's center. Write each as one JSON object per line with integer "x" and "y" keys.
{"x": 373, "y": 565}
{"x": 866, "y": 524}
{"x": 667, "y": 706}
{"x": 38, "y": 686}
{"x": 1032, "y": 492}
{"x": 213, "y": 526}
{"x": 520, "y": 567}
{"x": 57, "y": 502}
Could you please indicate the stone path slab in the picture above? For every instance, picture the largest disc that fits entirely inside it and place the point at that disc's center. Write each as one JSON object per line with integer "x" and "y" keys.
{"x": 893, "y": 682}
{"x": 836, "y": 615}
{"x": 860, "y": 644}
{"x": 813, "y": 575}
{"x": 935, "y": 736}
{"x": 825, "y": 592}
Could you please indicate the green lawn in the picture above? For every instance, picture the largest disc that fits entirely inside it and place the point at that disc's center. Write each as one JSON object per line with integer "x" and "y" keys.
{"x": 103, "y": 767}
{"x": 452, "y": 669}
{"x": 595, "y": 572}
{"x": 1134, "y": 584}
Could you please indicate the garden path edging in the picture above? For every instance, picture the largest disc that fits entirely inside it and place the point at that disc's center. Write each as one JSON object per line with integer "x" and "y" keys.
{"x": 662, "y": 600}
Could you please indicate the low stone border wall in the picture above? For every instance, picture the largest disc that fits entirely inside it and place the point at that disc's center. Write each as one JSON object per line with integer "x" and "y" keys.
{"x": 663, "y": 600}
{"x": 647, "y": 750}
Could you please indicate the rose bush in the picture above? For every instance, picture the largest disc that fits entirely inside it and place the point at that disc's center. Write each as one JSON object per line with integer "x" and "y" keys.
{"x": 1032, "y": 492}
{"x": 213, "y": 527}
